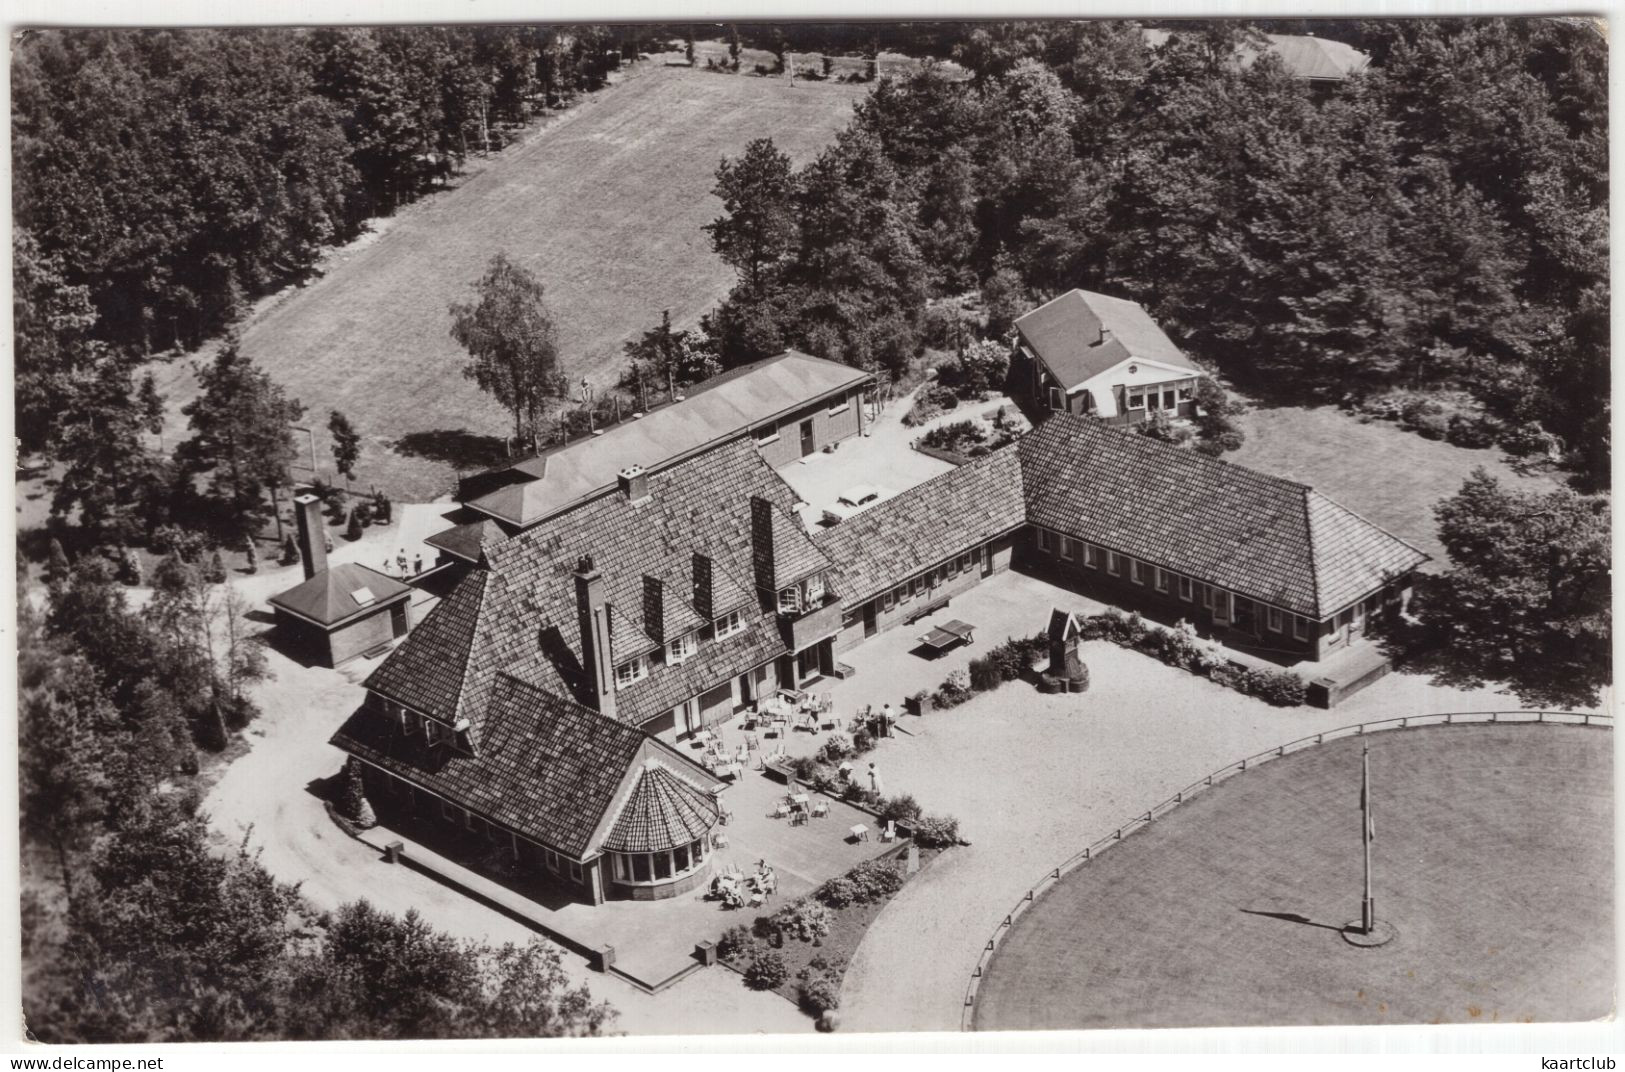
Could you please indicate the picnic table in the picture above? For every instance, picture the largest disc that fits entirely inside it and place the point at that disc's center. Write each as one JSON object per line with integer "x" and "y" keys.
{"x": 948, "y": 634}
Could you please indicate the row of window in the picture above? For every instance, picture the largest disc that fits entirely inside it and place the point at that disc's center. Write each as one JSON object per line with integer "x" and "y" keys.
{"x": 451, "y": 813}
{"x": 679, "y": 649}
{"x": 657, "y": 866}
{"x": 931, "y": 578}
{"x": 433, "y": 730}
{"x": 769, "y": 433}
{"x": 1164, "y": 396}
{"x": 1215, "y": 599}
{"x": 807, "y": 595}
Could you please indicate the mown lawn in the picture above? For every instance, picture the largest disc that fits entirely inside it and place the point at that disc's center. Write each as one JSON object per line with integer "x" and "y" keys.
{"x": 1380, "y": 471}
{"x": 1493, "y": 859}
{"x": 605, "y": 204}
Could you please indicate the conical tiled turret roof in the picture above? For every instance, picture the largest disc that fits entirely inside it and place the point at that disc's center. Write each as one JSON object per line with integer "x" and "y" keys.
{"x": 663, "y": 812}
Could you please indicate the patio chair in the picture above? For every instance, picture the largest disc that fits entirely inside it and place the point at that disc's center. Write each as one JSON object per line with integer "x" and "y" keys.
{"x": 724, "y": 816}
{"x": 821, "y": 810}
{"x": 781, "y": 809}
{"x": 890, "y": 833}
{"x": 753, "y": 742}
{"x": 719, "y": 840}
{"x": 798, "y": 817}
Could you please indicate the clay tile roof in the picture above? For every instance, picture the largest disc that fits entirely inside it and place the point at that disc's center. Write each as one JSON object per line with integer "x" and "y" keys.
{"x": 426, "y": 670}
{"x": 1065, "y": 334}
{"x": 626, "y": 640}
{"x": 468, "y": 540}
{"x": 899, "y": 537}
{"x": 542, "y": 766}
{"x": 339, "y": 592}
{"x": 1266, "y": 538}
{"x": 663, "y": 812}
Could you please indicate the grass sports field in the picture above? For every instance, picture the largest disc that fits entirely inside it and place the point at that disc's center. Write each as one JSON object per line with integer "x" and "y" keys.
{"x": 1494, "y": 861}
{"x": 604, "y": 203}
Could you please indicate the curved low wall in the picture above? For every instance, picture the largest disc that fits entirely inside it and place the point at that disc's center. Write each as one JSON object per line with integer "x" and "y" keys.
{"x": 1139, "y": 821}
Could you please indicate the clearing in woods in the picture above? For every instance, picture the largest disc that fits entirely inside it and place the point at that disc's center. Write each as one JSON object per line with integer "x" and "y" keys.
{"x": 605, "y": 204}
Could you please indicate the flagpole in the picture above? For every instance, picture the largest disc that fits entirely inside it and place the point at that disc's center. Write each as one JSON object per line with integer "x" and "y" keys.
{"x": 1368, "y": 911}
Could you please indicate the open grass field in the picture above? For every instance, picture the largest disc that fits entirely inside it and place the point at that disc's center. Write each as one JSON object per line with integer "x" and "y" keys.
{"x": 604, "y": 203}
{"x": 1380, "y": 471}
{"x": 1494, "y": 861}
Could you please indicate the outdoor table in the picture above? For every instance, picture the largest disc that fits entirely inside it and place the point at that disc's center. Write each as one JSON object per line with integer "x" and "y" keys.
{"x": 860, "y": 832}
{"x": 728, "y": 770}
{"x": 799, "y": 799}
{"x": 945, "y": 636}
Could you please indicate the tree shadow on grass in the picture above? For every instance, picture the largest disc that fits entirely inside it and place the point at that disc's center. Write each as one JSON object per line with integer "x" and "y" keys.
{"x": 459, "y": 448}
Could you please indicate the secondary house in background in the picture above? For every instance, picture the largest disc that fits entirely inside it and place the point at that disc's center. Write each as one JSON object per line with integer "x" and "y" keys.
{"x": 1100, "y": 356}
{"x": 1320, "y": 61}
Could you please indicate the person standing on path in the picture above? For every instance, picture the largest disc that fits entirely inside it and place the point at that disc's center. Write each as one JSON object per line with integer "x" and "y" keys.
{"x": 874, "y": 780}
{"x": 400, "y": 560}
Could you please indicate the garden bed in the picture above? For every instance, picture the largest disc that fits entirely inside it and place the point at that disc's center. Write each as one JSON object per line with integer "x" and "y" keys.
{"x": 959, "y": 441}
{"x": 817, "y": 965}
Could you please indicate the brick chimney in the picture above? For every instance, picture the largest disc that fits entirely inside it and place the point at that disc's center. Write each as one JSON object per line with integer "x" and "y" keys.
{"x": 307, "y": 510}
{"x": 654, "y": 609}
{"x": 592, "y": 612}
{"x": 634, "y": 484}
{"x": 761, "y": 542}
{"x": 705, "y": 591}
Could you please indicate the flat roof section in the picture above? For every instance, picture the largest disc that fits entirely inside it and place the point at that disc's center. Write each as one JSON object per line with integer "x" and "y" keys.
{"x": 719, "y": 409}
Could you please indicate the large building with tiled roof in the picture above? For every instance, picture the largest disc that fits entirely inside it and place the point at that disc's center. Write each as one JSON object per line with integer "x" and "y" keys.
{"x": 685, "y": 591}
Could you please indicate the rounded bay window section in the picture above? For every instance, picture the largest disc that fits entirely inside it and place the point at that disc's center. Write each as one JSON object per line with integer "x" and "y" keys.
{"x": 661, "y": 843}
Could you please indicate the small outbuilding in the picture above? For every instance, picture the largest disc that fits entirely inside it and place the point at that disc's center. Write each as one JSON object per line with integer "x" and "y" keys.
{"x": 338, "y": 612}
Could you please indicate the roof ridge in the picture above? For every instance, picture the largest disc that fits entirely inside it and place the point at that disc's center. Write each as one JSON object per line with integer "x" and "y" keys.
{"x": 1361, "y": 517}
{"x": 1314, "y": 549}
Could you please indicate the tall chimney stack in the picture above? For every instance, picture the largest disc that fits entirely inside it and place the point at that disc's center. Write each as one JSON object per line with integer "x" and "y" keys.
{"x": 761, "y": 542}
{"x": 592, "y": 613}
{"x": 705, "y": 592}
{"x": 307, "y": 510}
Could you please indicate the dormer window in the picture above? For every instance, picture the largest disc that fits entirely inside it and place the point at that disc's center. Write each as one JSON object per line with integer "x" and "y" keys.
{"x": 808, "y": 595}
{"x": 680, "y": 648}
{"x": 728, "y": 624}
{"x": 633, "y": 671}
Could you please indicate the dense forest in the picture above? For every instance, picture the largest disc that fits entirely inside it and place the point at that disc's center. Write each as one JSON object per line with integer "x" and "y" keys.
{"x": 1436, "y": 225}
{"x": 135, "y": 928}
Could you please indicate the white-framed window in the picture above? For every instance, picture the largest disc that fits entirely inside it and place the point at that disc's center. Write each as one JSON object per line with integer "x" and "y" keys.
{"x": 1185, "y": 589}
{"x": 408, "y": 722}
{"x": 1136, "y": 399}
{"x": 575, "y": 871}
{"x": 1066, "y": 548}
{"x": 837, "y": 406}
{"x": 1272, "y": 618}
{"x": 1187, "y": 391}
{"x": 1136, "y": 571}
{"x": 1043, "y": 539}
{"x": 888, "y": 601}
{"x": 432, "y": 730}
{"x": 790, "y": 600}
{"x": 766, "y": 434}
{"x": 916, "y": 586}
{"x": 448, "y": 811}
{"x": 728, "y": 624}
{"x": 1300, "y": 627}
{"x": 905, "y": 592}
{"x": 1057, "y": 400}
{"x": 1160, "y": 578}
{"x": 813, "y": 590}
{"x": 1114, "y": 563}
{"x": 680, "y": 648}
{"x": 965, "y": 561}
{"x": 1091, "y": 556}
{"x": 631, "y": 671}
